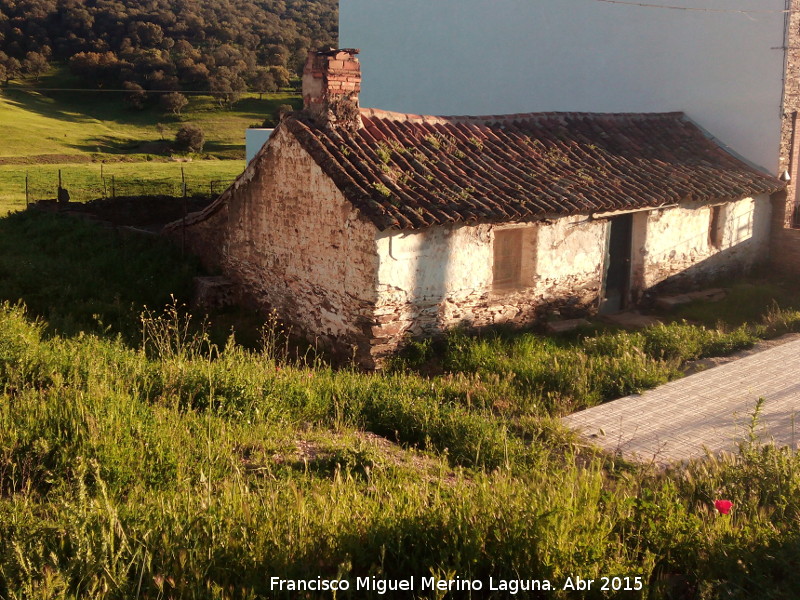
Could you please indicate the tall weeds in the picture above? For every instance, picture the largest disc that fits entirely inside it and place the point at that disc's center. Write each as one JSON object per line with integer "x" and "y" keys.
{"x": 180, "y": 469}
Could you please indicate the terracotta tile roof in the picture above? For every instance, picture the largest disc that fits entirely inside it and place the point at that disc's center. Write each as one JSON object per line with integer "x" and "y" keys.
{"x": 410, "y": 172}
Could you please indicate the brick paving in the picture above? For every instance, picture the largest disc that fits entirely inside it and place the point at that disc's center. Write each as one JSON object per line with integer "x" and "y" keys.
{"x": 709, "y": 411}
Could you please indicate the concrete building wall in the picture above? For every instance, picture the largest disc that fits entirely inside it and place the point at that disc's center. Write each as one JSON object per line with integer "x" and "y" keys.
{"x": 298, "y": 249}
{"x": 255, "y": 138}
{"x": 724, "y": 69}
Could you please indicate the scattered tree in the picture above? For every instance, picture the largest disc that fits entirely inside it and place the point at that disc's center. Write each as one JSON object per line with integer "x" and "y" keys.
{"x": 281, "y": 75}
{"x": 173, "y": 102}
{"x": 135, "y": 96}
{"x": 35, "y": 64}
{"x": 227, "y": 86}
{"x": 12, "y": 68}
{"x": 190, "y": 138}
{"x": 263, "y": 81}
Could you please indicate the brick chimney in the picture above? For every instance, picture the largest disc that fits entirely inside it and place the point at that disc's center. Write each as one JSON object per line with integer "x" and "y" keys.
{"x": 331, "y": 83}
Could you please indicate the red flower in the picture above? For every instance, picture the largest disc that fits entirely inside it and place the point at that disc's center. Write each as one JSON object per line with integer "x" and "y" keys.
{"x": 723, "y": 506}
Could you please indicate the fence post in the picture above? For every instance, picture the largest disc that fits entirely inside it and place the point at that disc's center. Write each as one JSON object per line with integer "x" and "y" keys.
{"x": 185, "y": 210}
{"x": 27, "y": 199}
{"x": 113, "y": 188}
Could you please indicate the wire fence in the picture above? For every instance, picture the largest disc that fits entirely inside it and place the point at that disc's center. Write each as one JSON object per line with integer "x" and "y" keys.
{"x": 82, "y": 186}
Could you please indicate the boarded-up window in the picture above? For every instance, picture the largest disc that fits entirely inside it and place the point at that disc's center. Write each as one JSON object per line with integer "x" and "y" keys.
{"x": 507, "y": 269}
{"x": 716, "y": 227}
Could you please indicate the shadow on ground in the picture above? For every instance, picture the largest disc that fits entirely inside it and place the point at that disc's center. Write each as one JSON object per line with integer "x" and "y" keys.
{"x": 79, "y": 276}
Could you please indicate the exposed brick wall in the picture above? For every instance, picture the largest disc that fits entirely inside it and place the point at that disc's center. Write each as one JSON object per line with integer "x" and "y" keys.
{"x": 331, "y": 84}
{"x": 791, "y": 93}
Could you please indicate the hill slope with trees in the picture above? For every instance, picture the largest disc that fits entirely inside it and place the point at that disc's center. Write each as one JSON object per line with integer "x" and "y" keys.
{"x": 220, "y": 46}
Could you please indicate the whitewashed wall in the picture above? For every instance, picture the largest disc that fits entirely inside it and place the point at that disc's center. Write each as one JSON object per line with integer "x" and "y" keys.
{"x": 441, "y": 277}
{"x": 677, "y": 240}
{"x": 504, "y": 56}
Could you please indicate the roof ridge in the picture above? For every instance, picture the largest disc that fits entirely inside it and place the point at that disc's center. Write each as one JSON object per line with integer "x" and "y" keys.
{"x": 377, "y": 113}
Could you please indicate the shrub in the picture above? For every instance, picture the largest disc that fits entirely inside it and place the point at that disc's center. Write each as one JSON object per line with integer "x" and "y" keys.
{"x": 173, "y": 102}
{"x": 135, "y": 96}
{"x": 190, "y": 138}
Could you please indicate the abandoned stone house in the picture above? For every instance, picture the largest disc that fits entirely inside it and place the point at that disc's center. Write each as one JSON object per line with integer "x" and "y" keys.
{"x": 362, "y": 227}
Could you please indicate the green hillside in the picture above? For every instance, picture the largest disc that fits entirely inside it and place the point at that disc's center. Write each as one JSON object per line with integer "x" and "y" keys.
{"x": 56, "y": 126}
{"x": 78, "y": 131}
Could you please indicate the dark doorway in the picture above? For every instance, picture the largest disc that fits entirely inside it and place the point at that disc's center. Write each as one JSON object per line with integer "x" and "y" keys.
{"x": 618, "y": 265}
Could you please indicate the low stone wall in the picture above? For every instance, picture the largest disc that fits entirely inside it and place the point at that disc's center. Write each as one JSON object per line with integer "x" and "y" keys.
{"x": 786, "y": 252}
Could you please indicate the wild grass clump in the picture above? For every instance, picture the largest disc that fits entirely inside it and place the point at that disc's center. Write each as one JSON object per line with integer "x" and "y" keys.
{"x": 745, "y": 303}
{"x": 556, "y": 376}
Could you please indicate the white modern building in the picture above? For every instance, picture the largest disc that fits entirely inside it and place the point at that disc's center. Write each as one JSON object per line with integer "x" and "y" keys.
{"x": 721, "y": 66}
{"x": 255, "y": 138}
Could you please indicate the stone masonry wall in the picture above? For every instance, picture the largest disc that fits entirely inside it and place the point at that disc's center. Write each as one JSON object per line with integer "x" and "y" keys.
{"x": 678, "y": 252}
{"x": 298, "y": 249}
{"x": 432, "y": 280}
{"x": 785, "y": 247}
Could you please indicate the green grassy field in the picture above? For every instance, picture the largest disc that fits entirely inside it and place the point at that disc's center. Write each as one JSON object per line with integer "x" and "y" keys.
{"x": 53, "y": 126}
{"x": 140, "y": 459}
{"x": 76, "y": 131}
{"x": 87, "y": 181}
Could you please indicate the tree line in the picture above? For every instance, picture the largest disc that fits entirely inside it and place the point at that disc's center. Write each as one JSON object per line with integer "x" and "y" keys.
{"x": 220, "y": 46}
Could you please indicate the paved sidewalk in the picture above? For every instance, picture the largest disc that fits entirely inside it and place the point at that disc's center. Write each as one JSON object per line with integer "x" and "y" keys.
{"x": 709, "y": 410}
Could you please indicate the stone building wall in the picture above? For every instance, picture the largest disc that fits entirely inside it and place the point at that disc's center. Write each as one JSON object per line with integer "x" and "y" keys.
{"x": 306, "y": 253}
{"x": 442, "y": 277}
{"x": 785, "y": 247}
{"x": 678, "y": 249}
{"x": 302, "y": 251}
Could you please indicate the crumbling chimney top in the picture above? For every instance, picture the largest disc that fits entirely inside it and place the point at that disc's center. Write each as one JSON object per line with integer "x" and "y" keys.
{"x": 331, "y": 84}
